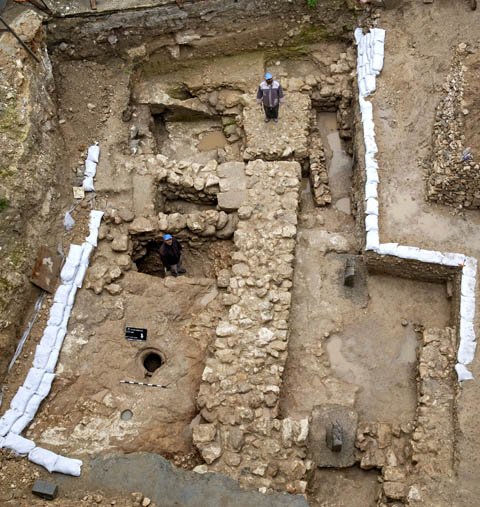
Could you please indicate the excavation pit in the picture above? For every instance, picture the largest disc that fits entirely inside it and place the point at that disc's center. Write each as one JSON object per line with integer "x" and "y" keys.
{"x": 151, "y": 361}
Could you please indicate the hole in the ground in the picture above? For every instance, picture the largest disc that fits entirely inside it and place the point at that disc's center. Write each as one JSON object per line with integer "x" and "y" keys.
{"x": 148, "y": 259}
{"x": 152, "y": 361}
{"x": 159, "y": 130}
{"x": 126, "y": 415}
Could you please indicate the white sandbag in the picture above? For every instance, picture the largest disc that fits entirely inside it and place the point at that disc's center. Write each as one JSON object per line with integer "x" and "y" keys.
{"x": 18, "y": 444}
{"x": 61, "y": 294}
{"x": 366, "y": 107}
{"x": 466, "y": 351}
{"x": 42, "y": 354}
{"x": 371, "y": 223}
{"x": 95, "y": 218}
{"x": 407, "y": 252}
{"x": 370, "y": 144}
{"x": 52, "y": 362}
{"x": 20, "y": 424}
{"x": 88, "y": 184}
{"x": 358, "y": 34}
{"x": 378, "y": 35}
{"x": 21, "y": 399}
{"x": 373, "y": 241}
{"x": 362, "y": 45}
{"x": 470, "y": 267}
{"x": 66, "y": 317}
{"x": 453, "y": 259}
{"x": 468, "y": 285}
{"x": 49, "y": 336}
{"x": 467, "y": 307}
{"x": 93, "y": 153}
{"x": 371, "y": 191}
{"x": 71, "y": 296}
{"x": 388, "y": 248}
{"x": 372, "y": 207}
{"x": 73, "y": 260}
{"x": 68, "y": 221}
{"x": 362, "y": 87}
{"x": 467, "y": 331}
{"x": 462, "y": 372}
{"x": 56, "y": 314}
{"x": 44, "y": 458}
{"x": 370, "y": 83}
{"x": 33, "y": 405}
{"x": 68, "y": 466}
{"x": 33, "y": 379}
{"x": 377, "y": 63}
{"x": 60, "y": 337}
{"x": 82, "y": 270}
{"x": 87, "y": 249}
{"x": 46, "y": 383}
{"x": 368, "y": 128}
{"x": 8, "y": 419}
{"x": 90, "y": 168}
{"x": 372, "y": 175}
{"x": 429, "y": 256}
{"x": 361, "y": 72}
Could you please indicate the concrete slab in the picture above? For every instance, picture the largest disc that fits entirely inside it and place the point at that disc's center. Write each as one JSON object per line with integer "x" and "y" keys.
{"x": 286, "y": 139}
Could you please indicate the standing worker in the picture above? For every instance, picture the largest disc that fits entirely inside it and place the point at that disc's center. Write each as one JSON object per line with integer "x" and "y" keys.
{"x": 272, "y": 94}
{"x": 171, "y": 255}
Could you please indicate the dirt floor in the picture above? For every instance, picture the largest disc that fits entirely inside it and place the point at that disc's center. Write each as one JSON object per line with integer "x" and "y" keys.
{"x": 354, "y": 346}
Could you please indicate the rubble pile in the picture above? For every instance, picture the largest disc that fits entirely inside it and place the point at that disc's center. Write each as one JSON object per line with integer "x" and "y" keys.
{"x": 452, "y": 179}
{"x": 241, "y": 434}
{"x": 318, "y": 170}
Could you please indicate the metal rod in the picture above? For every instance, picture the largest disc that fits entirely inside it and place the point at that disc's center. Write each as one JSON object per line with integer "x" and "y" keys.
{"x": 12, "y": 31}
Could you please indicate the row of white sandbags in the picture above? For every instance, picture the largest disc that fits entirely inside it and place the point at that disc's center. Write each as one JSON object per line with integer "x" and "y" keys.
{"x": 91, "y": 167}
{"x": 369, "y": 45}
{"x": 370, "y": 58}
{"x": 38, "y": 382}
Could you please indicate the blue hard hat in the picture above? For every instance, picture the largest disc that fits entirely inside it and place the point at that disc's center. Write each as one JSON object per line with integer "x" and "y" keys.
{"x": 268, "y": 76}
{"x": 167, "y": 236}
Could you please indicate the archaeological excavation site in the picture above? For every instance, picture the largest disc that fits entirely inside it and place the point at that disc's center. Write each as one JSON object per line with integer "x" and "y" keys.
{"x": 238, "y": 253}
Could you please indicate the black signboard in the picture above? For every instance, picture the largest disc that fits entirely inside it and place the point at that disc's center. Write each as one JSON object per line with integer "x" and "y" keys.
{"x": 136, "y": 334}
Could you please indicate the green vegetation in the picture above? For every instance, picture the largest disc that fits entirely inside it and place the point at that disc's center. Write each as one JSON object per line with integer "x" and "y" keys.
{"x": 3, "y": 204}
{"x": 312, "y": 3}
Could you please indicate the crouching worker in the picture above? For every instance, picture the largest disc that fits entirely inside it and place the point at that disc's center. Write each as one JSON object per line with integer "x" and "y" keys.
{"x": 171, "y": 255}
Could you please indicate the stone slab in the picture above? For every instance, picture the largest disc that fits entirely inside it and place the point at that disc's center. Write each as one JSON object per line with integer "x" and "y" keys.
{"x": 232, "y": 176}
{"x": 45, "y": 490}
{"x": 323, "y": 416}
{"x": 46, "y": 269}
{"x": 287, "y": 139}
{"x": 232, "y": 200}
{"x": 143, "y": 192}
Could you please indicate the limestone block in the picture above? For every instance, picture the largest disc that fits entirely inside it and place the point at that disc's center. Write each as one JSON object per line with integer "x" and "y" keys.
{"x": 323, "y": 416}
{"x": 203, "y": 433}
{"x": 232, "y": 200}
{"x": 142, "y": 224}
{"x": 120, "y": 243}
{"x": 126, "y": 214}
{"x": 210, "y": 452}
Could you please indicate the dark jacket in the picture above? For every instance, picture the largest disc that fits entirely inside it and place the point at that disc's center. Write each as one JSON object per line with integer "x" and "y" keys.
{"x": 271, "y": 94}
{"x": 170, "y": 254}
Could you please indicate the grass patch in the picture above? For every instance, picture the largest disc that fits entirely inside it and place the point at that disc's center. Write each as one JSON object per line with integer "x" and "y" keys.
{"x": 3, "y": 204}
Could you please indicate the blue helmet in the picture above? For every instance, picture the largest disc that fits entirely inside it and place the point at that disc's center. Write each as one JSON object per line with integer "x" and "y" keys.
{"x": 268, "y": 76}
{"x": 167, "y": 236}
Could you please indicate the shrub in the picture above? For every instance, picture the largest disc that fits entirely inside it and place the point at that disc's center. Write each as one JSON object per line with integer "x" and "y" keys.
{"x": 312, "y": 3}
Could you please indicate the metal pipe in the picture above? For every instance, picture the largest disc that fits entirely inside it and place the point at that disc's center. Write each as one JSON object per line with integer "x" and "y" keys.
{"x": 12, "y": 31}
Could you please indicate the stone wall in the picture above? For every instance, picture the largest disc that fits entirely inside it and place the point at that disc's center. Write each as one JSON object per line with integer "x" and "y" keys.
{"x": 417, "y": 458}
{"x": 27, "y": 173}
{"x": 451, "y": 180}
{"x": 241, "y": 434}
